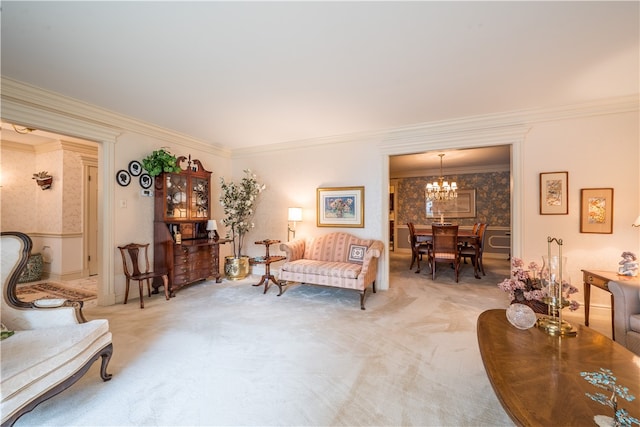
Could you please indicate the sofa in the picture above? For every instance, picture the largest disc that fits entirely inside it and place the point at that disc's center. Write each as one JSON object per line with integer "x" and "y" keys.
{"x": 47, "y": 345}
{"x": 337, "y": 259}
{"x": 626, "y": 320}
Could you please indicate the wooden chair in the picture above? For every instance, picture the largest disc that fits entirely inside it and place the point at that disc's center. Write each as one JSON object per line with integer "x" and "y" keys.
{"x": 444, "y": 248}
{"x": 417, "y": 249}
{"x": 470, "y": 251}
{"x": 131, "y": 266}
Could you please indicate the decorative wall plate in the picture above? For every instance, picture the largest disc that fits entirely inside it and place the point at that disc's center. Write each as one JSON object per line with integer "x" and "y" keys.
{"x": 135, "y": 168}
{"x": 145, "y": 180}
{"x": 123, "y": 177}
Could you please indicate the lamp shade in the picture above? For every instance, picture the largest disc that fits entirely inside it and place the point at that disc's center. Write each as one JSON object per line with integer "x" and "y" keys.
{"x": 295, "y": 214}
{"x": 212, "y": 225}
{"x": 636, "y": 223}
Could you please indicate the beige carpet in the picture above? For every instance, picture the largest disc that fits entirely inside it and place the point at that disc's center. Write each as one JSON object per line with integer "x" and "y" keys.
{"x": 225, "y": 354}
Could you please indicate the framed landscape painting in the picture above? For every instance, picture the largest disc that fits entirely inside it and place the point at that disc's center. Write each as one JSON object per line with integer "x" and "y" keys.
{"x": 554, "y": 190}
{"x": 341, "y": 207}
{"x": 596, "y": 210}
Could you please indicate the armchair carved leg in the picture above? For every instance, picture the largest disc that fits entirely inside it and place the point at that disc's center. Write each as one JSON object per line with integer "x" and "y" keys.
{"x": 106, "y": 357}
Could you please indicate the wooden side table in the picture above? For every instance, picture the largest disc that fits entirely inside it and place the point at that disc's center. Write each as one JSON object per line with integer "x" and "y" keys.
{"x": 267, "y": 261}
{"x": 600, "y": 279}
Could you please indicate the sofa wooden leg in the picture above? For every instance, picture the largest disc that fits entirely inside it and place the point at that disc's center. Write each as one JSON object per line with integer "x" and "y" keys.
{"x": 362, "y": 295}
{"x": 106, "y": 357}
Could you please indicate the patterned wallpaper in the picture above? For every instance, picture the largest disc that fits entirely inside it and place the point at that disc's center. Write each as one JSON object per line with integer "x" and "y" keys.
{"x": 493, "y": 204}
{"x": 57, "y": 210}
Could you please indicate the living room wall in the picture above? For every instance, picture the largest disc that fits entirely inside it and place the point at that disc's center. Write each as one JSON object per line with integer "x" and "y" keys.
{"x": 53, "y": 217}
{"x": 597, "y": 143}
{"x": 598, "y": 150}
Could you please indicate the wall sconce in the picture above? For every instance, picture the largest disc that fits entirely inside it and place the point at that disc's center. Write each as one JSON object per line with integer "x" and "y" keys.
{"x": 22, "y": 130}
{"x": 43, "y": 179}
{"x": 212, "y": 228}
{"x": 295, "y": 215}
{"x": 636, "y": 223}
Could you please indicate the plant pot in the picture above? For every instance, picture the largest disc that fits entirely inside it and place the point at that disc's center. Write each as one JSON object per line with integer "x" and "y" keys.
{"x": 236, "y": 268}
{"x": 44, "y": 183}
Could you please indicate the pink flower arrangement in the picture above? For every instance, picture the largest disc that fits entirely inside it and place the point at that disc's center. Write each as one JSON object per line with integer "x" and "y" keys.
{"x": 527, "y": 285}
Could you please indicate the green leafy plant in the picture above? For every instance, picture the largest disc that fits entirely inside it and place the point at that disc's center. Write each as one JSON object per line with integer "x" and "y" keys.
{"x": 238, "y": 201}
{"x": 160, "y": 161}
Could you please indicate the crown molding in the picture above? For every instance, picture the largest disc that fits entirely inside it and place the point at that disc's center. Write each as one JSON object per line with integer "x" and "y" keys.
{"x": 17, "y": 146}
{"x": 33, "y": 106}
{"x": 498, "y": 128}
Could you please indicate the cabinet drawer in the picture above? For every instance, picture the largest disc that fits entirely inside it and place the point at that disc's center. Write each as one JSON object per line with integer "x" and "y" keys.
{"x": 596, "y": 281}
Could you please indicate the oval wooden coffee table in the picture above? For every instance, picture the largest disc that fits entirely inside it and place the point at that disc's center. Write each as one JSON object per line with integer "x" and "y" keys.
{"x": 537, "y": 377}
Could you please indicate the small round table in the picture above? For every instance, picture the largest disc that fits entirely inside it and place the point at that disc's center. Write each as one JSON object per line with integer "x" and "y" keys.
{"x": 267, "y": 260}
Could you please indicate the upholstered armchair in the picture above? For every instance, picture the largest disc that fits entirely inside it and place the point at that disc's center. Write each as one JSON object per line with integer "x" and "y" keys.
{"x": 626, "y": 321}
{"x": 52, "y": 345}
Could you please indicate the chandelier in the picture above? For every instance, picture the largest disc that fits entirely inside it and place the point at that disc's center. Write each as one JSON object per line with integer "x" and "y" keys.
{"x": 441, "y": 190}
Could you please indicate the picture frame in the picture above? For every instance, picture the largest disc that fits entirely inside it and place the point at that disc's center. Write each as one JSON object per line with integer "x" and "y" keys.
{"x": 463, "y": 206}
{"x": 123, "y": 178}
{"x": 135, "y": 168}
{"x": 554, "y": 193}
{"x": 340, "y": 207}
{"x": 145, "y": 181}
{"x": 596, "y": 210}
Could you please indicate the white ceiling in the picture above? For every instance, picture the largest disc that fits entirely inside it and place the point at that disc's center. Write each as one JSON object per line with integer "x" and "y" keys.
{"x": 240, "y": 74}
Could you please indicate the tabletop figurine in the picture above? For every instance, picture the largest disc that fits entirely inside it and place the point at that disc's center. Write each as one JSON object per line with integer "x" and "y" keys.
{"x": 628, "y": 264}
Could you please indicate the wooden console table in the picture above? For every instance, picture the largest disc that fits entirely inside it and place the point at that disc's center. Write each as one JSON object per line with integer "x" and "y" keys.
{"x": 536, "y": 377}
{"x": 600, "y": 279}
{"x": 267, "y": 261}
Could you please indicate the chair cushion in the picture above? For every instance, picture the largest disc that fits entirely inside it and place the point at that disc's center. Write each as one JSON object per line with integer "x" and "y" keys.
{"x": 31, "y": 355}
{"x": 634, "y": 322}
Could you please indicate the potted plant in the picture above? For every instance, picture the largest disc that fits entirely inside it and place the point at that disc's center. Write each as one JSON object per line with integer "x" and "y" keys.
{"x": 43, "y": 179}
{"x": 238, "y": 201}
{"x": 160, "y": 161}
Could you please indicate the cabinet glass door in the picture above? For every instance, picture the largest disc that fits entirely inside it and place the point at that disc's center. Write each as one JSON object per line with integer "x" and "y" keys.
{"x": 199, "y": 198}
{"x": 176, "y": 201}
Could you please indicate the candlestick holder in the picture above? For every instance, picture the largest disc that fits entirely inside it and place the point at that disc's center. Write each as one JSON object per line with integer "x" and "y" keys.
{"x": 552, "y": 323}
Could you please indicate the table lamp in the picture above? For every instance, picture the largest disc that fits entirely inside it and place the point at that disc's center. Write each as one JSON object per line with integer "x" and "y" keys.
{"x": 295, "y": 214}
{"x": 212, "y": 228}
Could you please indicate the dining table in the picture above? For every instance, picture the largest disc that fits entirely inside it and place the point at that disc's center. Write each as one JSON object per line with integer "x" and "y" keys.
{"x": 425, "y": 235}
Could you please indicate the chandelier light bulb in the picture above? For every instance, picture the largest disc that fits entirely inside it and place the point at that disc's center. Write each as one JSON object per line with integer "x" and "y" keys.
{"x": 441, "y": 190}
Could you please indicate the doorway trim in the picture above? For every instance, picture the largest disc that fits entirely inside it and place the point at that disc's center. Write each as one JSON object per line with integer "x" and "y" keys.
{"x": 447, "y": 137}
{"x": 25, "y": 107}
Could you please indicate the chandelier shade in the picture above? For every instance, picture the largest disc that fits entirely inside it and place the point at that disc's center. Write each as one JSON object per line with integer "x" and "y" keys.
{"x": 441, "y": 189}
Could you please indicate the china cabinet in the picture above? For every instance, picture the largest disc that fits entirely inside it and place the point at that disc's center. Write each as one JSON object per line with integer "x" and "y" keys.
{"x": 182, "y": 248}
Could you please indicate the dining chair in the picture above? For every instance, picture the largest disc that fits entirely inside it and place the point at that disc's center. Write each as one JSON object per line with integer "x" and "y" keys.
{"x": 474, "y": 230}
{"x": 417, "y": 249}
{"x": 444, "y": 248}
{"x": 131, "y": 260}
{"x": 469, "y": 251}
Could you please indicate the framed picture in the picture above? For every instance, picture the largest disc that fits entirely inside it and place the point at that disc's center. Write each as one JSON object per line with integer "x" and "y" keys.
{"x": 554, "y": 192}
{"x": 135, "y": 168}
{"x": 340, "y": 207}
{"x": 463, "y": 206}
{"x": 596, "y": 210}
{"x": 123, "y": 177}
{"x": 145, "y": 181}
